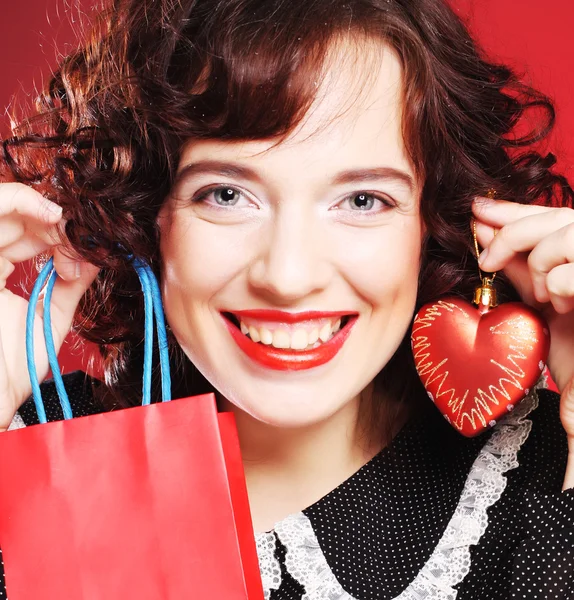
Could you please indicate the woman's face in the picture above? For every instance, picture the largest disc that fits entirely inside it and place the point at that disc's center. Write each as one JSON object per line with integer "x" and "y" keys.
{"x": 290, "y": 270}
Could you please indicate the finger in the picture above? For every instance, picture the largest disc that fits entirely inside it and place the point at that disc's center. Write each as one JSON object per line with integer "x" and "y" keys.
{"x": 15, "y": 228}
{"x": 484, "y": 234}
{"x": 517, "y": 269}
{"x": 12, "y": 229}
{"x": 25, "y": 249}
{"x": 7, "y": 409}
{"x": 51, "y": 235}
{"x": 560, "y": 288}
{"x": 66, "y": 264}
{"x": 501, "y": 212}
{"x": 522, "y": 236}
{"x": 65, "y": 299}
{"x": 23, "y": 200}
{"x": 554, "y": 250}
{"x": 29, "y": 223}
{"x": 6, "y": 269}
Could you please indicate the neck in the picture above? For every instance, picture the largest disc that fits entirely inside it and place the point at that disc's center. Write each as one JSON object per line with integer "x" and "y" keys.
{"x": 289, "y": 469}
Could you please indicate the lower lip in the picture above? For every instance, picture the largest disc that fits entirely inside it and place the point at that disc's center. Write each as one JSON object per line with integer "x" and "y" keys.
{"x": 291, "y": 360}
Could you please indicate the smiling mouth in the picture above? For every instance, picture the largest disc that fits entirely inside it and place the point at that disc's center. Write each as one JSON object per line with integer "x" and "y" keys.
{"x": 307, "y": 335}
{"x": 289, "y": 341}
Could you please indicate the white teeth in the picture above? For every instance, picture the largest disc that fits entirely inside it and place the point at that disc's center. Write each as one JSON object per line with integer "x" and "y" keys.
{"x": 299, "y": 340}
{"x": 254, "y": 334}
{"x": 314, "y": 336}
{"x": 266, "y": 336}
{"x": 281, "y": 339}
{"x": 325, "y": 332}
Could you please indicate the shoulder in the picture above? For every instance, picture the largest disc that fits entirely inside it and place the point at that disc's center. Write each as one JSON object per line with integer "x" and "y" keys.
{"x": 80, "y": 388}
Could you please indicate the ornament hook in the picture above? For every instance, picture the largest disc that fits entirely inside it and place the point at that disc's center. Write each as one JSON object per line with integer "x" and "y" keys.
{"x": 485, "y": 294}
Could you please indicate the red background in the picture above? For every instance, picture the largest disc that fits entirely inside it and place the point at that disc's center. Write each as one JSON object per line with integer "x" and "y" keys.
{"x": 531, "y": 35}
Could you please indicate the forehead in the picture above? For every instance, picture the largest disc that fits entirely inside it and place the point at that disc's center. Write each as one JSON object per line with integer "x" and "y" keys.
{"x": 355, "y": 120}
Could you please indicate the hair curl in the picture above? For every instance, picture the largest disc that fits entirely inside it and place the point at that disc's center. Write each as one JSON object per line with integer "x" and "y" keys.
{"x": 106, "y": 138}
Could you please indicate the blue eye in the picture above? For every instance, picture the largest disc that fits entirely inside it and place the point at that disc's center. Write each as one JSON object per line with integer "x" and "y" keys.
{"x": 367, "y": 202}
{"x": 363, "y": 202}
{"x": 226, "y": 196}
{"x": 221, "y": 196}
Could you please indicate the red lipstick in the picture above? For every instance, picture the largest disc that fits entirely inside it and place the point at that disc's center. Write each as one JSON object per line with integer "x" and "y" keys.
{"x": 290, "y": 360}
{"x": 280, "y": 316}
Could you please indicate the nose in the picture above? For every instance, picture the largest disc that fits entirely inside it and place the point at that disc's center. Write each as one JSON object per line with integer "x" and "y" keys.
{"x": 292, "y": 262}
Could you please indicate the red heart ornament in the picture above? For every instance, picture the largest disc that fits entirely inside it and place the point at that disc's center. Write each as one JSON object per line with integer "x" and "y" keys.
{"x": 476, "y": 365}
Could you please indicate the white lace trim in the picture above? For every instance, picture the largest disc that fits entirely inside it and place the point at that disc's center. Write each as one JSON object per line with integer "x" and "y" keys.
{"x": 268, "y": 564}
{"x": 306, "y": 562}
{"x": 17, "y": 422}
{"x": 450, "y": 561}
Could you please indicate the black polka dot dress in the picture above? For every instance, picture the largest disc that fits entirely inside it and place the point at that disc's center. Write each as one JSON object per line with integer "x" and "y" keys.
{"x": 434, "y": 516}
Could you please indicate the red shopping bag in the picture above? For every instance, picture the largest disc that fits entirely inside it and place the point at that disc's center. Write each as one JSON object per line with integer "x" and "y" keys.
{"x": 147, "y": 503}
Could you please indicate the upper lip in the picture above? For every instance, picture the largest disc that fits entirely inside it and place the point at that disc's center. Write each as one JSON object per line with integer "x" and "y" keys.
{"x": 280, "y": 316}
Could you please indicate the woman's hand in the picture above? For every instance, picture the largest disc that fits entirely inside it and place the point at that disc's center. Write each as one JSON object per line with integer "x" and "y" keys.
{"x": 534, "y": 245}
{"x": 29, "y": 224}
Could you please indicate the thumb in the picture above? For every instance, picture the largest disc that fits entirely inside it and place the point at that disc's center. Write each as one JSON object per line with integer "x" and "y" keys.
{"x": 65, "y": 299}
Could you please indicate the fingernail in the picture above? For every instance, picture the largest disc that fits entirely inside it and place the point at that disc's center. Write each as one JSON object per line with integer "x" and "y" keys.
{"x": 54, "y": 208}
{"x": 482, "y": 256}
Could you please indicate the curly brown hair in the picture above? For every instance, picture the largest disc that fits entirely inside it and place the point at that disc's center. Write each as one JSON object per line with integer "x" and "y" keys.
{"x": 106, "y": 138}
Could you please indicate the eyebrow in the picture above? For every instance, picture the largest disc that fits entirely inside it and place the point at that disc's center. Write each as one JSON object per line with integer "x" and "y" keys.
{"x": 365, "y": 175}
{"x": 229, "y": 169}
{"x": 215, "y": 167}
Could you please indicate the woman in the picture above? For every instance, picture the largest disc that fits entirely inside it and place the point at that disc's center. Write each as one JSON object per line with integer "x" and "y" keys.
{"x": 302, "y": 177}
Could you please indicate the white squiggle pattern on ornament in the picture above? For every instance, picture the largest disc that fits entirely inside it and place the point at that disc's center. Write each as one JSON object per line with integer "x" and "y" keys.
{"x": 450, "y": 561}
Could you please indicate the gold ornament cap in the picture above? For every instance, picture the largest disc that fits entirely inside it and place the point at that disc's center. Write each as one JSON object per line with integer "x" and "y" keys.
{"x": 485, "y": 295}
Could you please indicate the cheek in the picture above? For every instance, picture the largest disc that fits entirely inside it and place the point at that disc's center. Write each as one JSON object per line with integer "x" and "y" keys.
{"x": 199, "y": 258}
{"x": 383, "y": 265}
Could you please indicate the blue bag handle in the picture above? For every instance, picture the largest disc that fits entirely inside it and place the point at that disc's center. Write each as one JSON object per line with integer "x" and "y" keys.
{"x": 153, "y": 309}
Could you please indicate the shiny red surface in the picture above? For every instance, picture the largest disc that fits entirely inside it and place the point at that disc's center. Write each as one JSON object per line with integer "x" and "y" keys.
{"x": 281, "y": 316}
{"x": 148, "y": 503}
{"x": 475, "y": 367}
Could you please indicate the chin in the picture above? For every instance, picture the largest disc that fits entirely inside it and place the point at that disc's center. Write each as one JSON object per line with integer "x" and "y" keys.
{"x": 286, "y": 411}
{"x": 286, "y": 418}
